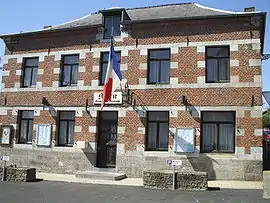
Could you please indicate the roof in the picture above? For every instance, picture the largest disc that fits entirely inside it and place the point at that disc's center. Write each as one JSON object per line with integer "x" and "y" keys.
{"x": 153, "y": 13}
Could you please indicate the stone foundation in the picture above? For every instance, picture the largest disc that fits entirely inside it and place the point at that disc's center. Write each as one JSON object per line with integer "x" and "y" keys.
{"x": 71, "y": 160}
{"x": 18, "y": 174}
{"x": 183, "y": 181}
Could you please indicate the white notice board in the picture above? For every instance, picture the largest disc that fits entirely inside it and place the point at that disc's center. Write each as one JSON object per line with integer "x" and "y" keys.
{"x": 44, "y": 135}
{"x": 184, "y": 140}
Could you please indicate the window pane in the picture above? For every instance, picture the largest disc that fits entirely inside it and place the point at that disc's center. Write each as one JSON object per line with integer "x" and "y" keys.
{"x": 153, "y": 72}
{"x": 71, "y": 132}
{"x": 116, "y": 25}
{"x": 28, "y": 114}
{"x": 67, "y": 115}
{"x": 109, "y": 115}
{"x": 31, "y": 62}
{"x": 66, "y": 75}
{"x": 108, "y": 26}
{"x": 74, "y": 77}
{"x": 105, "y": 56}
{"x": 152, "y": 136}
{"x": 209, "y": 137}
{"x": 165, "y": 72}
{"x": 226, "y": 137}
{"x": 212, "y": 70}
{"x": 223, "y": 69}
{"x": 74, "y": 59}
{"x": 103, "y": 72}
{"x": 160, "y": 54}
{"x": 63, "y": 133}
{"x": 30, "y": 131}
{"x": 34, "y": 76}
{"x": 218, "y": 51}
{"x": 163, "y": 135}
{"x": 158, "y": 116}
{"x": 218, "y": 116}
{"x": 23, "y": 131}
{"x": 27, "y": 77}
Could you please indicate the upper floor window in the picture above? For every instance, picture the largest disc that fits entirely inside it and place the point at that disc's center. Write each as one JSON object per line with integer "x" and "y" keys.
{"x": 112, "y": 26}
{"x": 104, "y": 65}
{"x": 217, "y": 64}
{"x": 157, "y": 130}
{"x": 26, "y": 123}
{"x": 159, "y": 66}
{"x": 30, "y": 69}
{"x": 218, "y": 131}
{"x": 69, "y": 70}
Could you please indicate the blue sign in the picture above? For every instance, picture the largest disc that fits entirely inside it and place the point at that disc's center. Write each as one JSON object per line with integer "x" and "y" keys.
{"x": 169, "y": 162}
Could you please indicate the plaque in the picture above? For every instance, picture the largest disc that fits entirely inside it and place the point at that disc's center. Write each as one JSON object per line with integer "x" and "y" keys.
{"x": 6, "y": 135}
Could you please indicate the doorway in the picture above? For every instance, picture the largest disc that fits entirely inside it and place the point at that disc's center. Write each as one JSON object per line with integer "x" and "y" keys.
{"x": 107, "y": 139}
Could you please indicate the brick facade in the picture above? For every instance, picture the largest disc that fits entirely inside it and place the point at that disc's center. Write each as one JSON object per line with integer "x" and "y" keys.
{"x": 186, "y": 41}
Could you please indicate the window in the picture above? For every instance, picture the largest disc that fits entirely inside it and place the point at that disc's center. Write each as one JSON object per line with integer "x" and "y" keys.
{"x": 218, "y": 131}
{"x": 66, "y": 128}
{"x": 157, "y": 131}
{"x": 69, "y": 72}
{"x": 112, "y": 26}
{"x": 30, "y": 68}
{"x": 217, "y": 64}
{"x": 104, "y": 65}
{"x": 26, "y": 126}
{"x": 158, "y": 66}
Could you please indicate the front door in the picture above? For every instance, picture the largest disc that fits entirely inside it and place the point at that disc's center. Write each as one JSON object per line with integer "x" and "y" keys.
{"x": 107, "y": 139}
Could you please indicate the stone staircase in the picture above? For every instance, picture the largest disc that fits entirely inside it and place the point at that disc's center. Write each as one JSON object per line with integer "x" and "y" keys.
{"x": 101, "y": 174}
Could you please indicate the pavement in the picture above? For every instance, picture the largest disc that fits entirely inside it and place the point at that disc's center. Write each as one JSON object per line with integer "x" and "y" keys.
{"x": 63, "y": 192}
{"x": 139, "y": 182}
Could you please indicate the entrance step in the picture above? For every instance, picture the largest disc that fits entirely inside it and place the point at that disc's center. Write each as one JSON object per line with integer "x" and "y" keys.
{"x": 108, "y": 170}
{"x": 101, "y": 175}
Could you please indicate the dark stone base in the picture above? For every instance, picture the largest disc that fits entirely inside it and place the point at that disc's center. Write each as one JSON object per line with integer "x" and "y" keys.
{"x": 18, "y": 174}
{"x": 183, "y": 181}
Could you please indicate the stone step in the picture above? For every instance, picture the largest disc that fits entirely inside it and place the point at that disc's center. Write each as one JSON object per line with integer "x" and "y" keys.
{"x": 108, "y": 170}
{"x": 101, "y": 175}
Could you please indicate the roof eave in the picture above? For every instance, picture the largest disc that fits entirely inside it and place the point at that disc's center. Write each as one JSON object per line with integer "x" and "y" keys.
{"x": 196, "y": 17}
{"x": 47, "y": 31}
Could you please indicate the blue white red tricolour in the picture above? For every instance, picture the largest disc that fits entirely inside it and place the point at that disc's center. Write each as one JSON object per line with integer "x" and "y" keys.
{"x": 113, "y": 77}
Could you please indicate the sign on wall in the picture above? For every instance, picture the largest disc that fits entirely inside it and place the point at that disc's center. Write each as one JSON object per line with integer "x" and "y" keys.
{"x": 184, "y": 140}
{"x": 44, "y": 135}
{"x": 115, "y": 99}
{"x": 6, "y": 135}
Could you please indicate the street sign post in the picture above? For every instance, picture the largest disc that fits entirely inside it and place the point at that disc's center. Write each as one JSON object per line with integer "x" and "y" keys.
{"x": 174, "y": 163}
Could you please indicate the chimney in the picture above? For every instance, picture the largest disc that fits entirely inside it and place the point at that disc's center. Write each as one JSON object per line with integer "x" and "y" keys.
{"x": 47, "y": 26}
{"x": 249, "y": 9}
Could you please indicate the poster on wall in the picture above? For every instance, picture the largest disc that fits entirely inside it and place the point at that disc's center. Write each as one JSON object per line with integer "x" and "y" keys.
{"x": 6, "y": 134}
{"x": 44, "y": 135}
{"x": 184, "y": 140}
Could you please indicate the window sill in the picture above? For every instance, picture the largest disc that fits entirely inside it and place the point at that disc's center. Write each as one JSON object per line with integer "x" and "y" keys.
{"x": 225, "y": 81}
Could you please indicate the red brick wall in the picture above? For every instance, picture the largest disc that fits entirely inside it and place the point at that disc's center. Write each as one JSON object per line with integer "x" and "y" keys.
{"x": 187, "y": 73}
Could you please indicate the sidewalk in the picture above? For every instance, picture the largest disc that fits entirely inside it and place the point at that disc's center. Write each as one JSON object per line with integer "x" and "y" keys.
{"x": 139, "y": 182}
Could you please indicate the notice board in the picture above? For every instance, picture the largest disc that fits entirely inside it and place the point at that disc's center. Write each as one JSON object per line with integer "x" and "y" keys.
{"x": 184, "y": 140}
{"x": 44, "y": 135}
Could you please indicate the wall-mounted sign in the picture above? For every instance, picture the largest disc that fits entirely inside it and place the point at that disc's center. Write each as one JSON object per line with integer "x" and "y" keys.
{"x": 6, "y": 135}
{"x": 44, "y": 135}
{"x": 184, "y": 140}
{"x": 115, "y": 99}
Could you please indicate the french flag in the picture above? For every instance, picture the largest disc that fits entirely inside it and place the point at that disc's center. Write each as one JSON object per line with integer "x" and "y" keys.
{"x": 113, "y": 77}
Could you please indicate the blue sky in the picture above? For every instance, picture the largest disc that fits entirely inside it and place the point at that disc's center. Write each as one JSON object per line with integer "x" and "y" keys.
{"x": 27, "y": 15}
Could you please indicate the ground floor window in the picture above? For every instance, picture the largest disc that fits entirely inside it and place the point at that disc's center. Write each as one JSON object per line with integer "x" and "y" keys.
{"x": 157, "y": 130}
{"x": 66, "y": 128}
{"x": 218, "y": 132}
{"x": 26, "y": 122}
